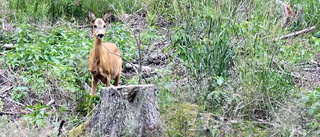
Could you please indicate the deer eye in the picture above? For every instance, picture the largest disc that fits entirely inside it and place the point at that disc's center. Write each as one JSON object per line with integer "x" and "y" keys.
{"x": 95, "y": 26}
{"x": 104, "y": 26}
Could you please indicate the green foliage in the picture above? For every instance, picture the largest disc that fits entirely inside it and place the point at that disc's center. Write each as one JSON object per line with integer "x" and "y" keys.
{"x": 39, "y": 116}
{"x": 24, "y": 34}
{"x": 19, "y": 93}
{"x": 1, "y": 105}
{"x": 48, "y": 59}
{"x": 315, "y": 41}
{"x": 211, "y": 40}
{"x": 166, "y": 97}
{"x": 203, "y": 42}
{"x": 313, "y": 112}
{"x": 119, "y": 34}
{"x": 4, "y": 38}
{"x": 265, "y": 88}
{"x": 311, "y": 10}
{"x": 179, "y": 119}
{"x": 57, "y": 55}
{"x": 37, "y": 10}
{"x": 249, "y": 128}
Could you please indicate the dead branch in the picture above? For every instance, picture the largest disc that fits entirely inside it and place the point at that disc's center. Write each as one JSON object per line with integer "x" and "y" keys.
{"x": 84, "y": 26}
{"x": 8, "y": 46}
{"x": 5, "y": 90}
{"x": 50, "y": 102}
{"x": 143, "y": 68}
{"x": 60, "y": 127}
{"x": 12, "y": 113}
{"x": 294, "y": 34}
{"x": 20, "y": 104}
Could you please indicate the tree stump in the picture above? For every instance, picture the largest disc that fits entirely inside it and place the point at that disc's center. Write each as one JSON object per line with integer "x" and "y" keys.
{"x": 125, "y": 111}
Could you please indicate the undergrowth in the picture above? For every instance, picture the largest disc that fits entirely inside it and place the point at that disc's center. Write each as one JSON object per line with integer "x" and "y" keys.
{"x": 53, "y": 63}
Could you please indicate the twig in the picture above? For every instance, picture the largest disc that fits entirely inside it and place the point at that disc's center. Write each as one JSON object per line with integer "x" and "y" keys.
{"x": 138, "y": 41}
{"x": 12, "y": 113}
{"x": 293, "y": 132}
{"x": 4, "y": 77}
{"x": 50, "y": 102}
{"x": 60, "y": 127}
{"x": 16, "y": 103}
{"x": 2, "y": 20}
{"x": 294, "y": 34}
{"x": 260, "y": 121}
{"x": 139, "y": 50}
{"x": 143, "y": 68}
{"x": 84, "y": 26}
{"x": 5, "y": 90}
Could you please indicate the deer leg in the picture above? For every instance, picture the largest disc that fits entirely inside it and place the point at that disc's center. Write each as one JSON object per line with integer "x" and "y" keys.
{"x": 116, "y": 81}
{"x": 108, "y": 79}
{"x": 93, "y": 86}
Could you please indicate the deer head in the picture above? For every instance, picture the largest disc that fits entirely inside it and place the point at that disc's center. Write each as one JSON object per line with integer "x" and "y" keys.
{"x": 99, "y": 24}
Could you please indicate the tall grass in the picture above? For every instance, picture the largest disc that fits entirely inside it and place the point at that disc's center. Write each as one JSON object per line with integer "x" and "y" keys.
{"x": 311, "y": 10}
{"x": 37, "y": 10}
{"x": 229, "y": 50}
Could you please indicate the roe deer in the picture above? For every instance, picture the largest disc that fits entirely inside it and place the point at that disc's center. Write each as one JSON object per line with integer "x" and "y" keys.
{"x": 104, "y": 60}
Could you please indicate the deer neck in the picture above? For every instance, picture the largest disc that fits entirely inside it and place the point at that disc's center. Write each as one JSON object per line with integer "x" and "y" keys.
{"x": 97, "y": 47}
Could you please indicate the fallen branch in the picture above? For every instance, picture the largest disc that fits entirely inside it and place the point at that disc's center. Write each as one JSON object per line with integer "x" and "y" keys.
{"x": 143, "y": 68}
{"x": 8, "y": 46}
{"x": 50, "y": 102}
{"x": 5, "y": 89}
{"x": 60, "y": 127}
{"x": 12, "y": 113}
{"x": 20, "y": 104}
{"x": 84, "y": 26}
{"x": 294, "y": 34}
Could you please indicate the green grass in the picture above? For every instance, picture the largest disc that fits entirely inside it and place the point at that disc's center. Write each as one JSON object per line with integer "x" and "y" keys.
{"x": 55, "y": 10}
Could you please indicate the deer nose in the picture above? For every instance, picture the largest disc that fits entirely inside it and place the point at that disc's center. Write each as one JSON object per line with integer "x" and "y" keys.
{"x": 100, "y": 36}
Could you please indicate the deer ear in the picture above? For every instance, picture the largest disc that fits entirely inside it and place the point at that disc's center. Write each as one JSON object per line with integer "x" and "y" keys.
{"x": 91, "y": 16}
{"x": 106, "y": 17}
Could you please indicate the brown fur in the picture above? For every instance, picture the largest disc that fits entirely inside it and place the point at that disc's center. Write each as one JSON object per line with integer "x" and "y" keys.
{"x": 103, "y": 64}
{"x": 287, "y": 14}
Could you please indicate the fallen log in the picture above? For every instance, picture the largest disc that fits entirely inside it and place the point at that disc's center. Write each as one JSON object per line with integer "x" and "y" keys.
{"x": 294, "y": 34}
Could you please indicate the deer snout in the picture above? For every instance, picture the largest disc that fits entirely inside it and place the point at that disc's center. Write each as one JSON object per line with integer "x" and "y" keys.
{"x": 100, "y": 36}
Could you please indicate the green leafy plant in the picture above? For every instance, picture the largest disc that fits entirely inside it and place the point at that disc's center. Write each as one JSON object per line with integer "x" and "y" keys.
{"x": 39, "y": 116}
{"x": 24, "y": 34}
{"x": 313, "y": 111}
{"x": 1, "y": 105}
{"x": 19, "y": 93}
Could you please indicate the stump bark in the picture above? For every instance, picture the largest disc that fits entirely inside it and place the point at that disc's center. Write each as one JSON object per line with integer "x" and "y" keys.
{"x": 126, "y": 111}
